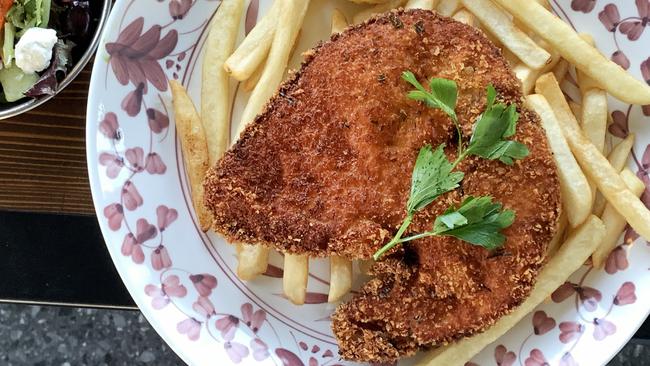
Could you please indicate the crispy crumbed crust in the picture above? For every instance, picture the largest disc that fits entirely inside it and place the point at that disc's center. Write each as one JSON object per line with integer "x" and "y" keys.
{"x": 325, "y": 169}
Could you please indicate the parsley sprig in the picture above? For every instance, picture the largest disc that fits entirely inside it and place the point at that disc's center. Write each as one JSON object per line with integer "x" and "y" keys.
{"x": 478, "y": 220}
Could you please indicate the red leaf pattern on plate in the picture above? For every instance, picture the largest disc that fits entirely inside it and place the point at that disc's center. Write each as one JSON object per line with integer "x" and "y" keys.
{"x": 536, "y": 358}
{"x": 145, "y": 231}
{"x": 590, "y": 297}
{"x": 190, "y": 327}
{"x": 166, "y": 216}
{"x": 135, "y": 157}
{"x": 178, "y": 8}
{"x": 131, "y": 248}
{"x": 236, "y": 351}
{"x": 115, "y": 214}
{"x": 570, "y": 330}
{"x": 134, "y": 56}
{"x": 253, "y": 320}
{"x": 160, "y": 258}
{"x": 603, "y": 328}
{"x": 260, "y": 349}
{"x": 542, "y": 323}
{"x": 204, "y": 283}
{"x": 584, "y": 6}
{"x": 568, "y": 360}
{"x": 158, "y": 121}
{"x": 131, "y": 198}
{"x": 109, "y": 126}
{"x": 204, "y": 307}
{"x": 563, "y": 292}
{"x": 617, "y": 260}
{"x": 113, "y": 164}
{"x": 626, "y": 294}
{"x": 227, "y": 326}
{"x": 288, "y": 358}
{"x": 251, "y": 16}
{"x": 503, "y": 357}
{"x": 610, "y": 17}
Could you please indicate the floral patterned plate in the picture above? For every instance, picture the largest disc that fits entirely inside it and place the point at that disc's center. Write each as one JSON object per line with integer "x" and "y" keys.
{"x": 184, "y": 281}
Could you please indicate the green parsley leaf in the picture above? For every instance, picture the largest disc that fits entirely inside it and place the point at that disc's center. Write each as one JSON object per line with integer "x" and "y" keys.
{"x": 477, "y": 221}
{"x": 443, "y": 94}
{"x": 432, "y": 177}
{"x": 497, "y": 123}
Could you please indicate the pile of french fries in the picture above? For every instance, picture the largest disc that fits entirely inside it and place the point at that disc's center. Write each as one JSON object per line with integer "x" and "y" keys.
{"x": 600, "y": 196}
{"x": 259, "y": 61}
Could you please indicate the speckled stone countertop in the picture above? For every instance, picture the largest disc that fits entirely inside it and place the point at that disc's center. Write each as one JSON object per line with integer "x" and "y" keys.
{"x": 36, "y": 335}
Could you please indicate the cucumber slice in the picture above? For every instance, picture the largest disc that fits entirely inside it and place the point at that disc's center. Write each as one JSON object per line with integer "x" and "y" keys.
{"x": 8, "y": 46}
{"x": 45, "y": 13}
{"x": 15, "y": 82}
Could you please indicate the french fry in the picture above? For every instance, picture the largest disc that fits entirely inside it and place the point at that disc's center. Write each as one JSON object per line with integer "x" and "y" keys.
{"x": 594, "y": 116}
{"x": 620, "y": 153}
{"x": 252, "y": 261}
{"x": 594, "y": 113}
{"x": 340, "y": 278}
{"x": 574, "y": 49}
{"x": 618, "y": 158}
{"x": 614, "y": 222}
{"x": 584, "y": 81}
{"x": 195, "y": 148}
{"x": 250, "y": 83}
{"x": 595, "y": 165}
{"x": 368, "y": 13}
{"x": 448, "y": 7}
{"x": 571, "y": 90}
{"x": 558, "y": 238}
{"x": 464, "y": 16}
{"x": 215, "y": 97}
{"x": 528, "y": 75}
{"x": 294, "y": 280}
{"x": 576, "y": 194}
{"x": 544, "y": 3}
{"x": 255, "y": 47}
{"x": 575, "y": 251}
{"x": 421, "y": 4}
{"x": 499, "y": 23}
{"x": 576, "y": 109}
{"x": 290, "y": 20}
{"x": 339, "y": 22}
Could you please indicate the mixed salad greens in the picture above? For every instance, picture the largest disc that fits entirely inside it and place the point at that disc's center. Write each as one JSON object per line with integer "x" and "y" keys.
{"x": 37, "y": 42}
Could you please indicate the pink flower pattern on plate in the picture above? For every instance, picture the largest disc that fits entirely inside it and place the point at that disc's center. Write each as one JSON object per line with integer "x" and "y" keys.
{"x": 190, "y": 327}
{"x": 603, "y": 328}
{"x": 171, "y": 287}
{"x": 204, "y": 283}
{"x": 503, "y": 357}
{"x": 115, "y": 214}
{"x": 136, "y": 58}
{"x": 536, "y": 358}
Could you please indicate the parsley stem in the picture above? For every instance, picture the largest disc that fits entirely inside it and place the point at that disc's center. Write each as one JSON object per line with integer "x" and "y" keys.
{"x": 396, "y": 238}
{"x": 461, "y": 156}
{"x": 459, "y": 133}
{"x": 418, "y": 236}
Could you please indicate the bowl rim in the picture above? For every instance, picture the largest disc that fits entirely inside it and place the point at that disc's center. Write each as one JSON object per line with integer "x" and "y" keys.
{"x": 30, "y": 104}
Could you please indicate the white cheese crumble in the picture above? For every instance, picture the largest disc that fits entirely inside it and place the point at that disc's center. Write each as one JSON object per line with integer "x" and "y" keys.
{"x": 34, "y": 49}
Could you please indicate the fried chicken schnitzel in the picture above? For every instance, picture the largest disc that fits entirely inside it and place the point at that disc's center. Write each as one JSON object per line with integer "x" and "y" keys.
{"x": 326, "y": 170}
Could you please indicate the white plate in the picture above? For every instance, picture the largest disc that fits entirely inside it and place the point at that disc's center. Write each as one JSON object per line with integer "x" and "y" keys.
{"x": 184, "y": 282}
